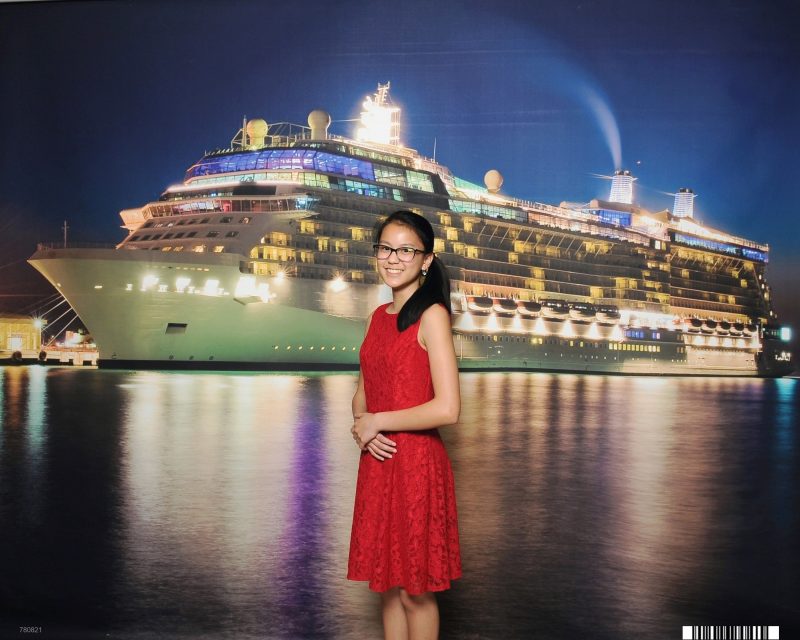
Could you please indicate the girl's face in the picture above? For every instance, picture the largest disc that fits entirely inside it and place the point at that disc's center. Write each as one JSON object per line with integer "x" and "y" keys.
{"x": 394, "y": 271}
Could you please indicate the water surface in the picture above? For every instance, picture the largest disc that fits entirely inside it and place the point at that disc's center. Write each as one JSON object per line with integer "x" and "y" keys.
{"x": 212, "y": 505}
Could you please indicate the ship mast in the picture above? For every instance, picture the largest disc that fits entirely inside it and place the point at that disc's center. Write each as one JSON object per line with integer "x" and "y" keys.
{"x": 240, "y": 138}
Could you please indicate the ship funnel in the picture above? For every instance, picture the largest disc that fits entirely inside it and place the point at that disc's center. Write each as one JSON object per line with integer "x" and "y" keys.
{"x": 684, "y": 203}
{"x": 256, "y": 132}
{"x": 622, "y": 187}
{"x": 319, "y": 121}
{"x": 493, "y": 180}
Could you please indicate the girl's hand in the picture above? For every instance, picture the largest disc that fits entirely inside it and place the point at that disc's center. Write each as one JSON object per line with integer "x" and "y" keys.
{"x": 365, "y": 433}
{"x": 381, "y": 448}
{"x": 364, "y": 428}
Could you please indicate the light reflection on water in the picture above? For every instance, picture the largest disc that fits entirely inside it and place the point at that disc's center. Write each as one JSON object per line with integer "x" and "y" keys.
{"x": 206, "y": 505}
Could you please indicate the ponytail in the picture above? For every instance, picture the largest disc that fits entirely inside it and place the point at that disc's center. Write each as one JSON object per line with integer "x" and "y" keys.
{"x": 435, "y": 289}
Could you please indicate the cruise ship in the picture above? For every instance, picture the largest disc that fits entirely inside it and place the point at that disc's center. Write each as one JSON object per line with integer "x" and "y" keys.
{"x": 262, "y": 258}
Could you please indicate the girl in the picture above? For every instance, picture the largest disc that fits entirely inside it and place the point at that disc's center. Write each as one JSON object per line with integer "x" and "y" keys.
{"x": 405, "y": 532}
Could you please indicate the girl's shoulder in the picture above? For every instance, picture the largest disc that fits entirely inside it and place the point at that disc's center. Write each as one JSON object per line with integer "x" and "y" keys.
{"x": 434, "y": 322}
{"x": 437, "y": 312}
{"x": 368, "y": 321}
{"x": 377, "y": 312}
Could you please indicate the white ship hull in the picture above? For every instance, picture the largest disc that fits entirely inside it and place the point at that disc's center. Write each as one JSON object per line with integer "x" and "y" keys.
{"x": 142, "y": 312}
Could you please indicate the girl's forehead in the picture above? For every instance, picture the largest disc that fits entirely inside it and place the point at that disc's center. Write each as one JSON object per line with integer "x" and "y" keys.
{"x": 399, "y": 234}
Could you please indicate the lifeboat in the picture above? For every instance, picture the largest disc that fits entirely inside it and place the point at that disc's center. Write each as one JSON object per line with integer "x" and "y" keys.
{"x": 607, "y": 313}
{"x": 724, "y": 328}
{"x": 505, "y": 306}
{"x": 694, "y": 326}
{"x": 750, "y": 329}
{"x": 528, "y": 308}
{"x": 709, "y": 327}
{"x": 555, "y": 309}
{"x": 736, "y": 329}
{"x": 582, "y": 311}
{"x": 480, "y": 304}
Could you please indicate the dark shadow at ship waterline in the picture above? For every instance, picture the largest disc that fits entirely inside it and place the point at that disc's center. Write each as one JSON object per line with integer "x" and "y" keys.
{"x": 209, "y": 505}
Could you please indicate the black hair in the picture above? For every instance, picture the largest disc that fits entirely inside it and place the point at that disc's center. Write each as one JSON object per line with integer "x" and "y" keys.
{"x": 435, "y": 287}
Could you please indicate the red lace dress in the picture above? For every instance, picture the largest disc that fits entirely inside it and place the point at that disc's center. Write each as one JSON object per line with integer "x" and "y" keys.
{"x": 405, "y": 526}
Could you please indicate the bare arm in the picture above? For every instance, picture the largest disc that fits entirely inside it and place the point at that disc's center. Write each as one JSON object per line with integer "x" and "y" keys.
{"x": 445, "y": 406}
{"x": 380, "y": 446}
{"x": 360, "y": 398}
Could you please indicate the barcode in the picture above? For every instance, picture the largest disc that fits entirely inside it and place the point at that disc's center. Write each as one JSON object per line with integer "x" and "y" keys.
{"x": 730, "y": 632}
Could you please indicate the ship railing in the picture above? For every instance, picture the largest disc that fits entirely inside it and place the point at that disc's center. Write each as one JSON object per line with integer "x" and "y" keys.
{"x": 41, "y": 246}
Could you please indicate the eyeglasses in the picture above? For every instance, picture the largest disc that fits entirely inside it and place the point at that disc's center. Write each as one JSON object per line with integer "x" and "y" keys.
{"x": 404, "y": 254}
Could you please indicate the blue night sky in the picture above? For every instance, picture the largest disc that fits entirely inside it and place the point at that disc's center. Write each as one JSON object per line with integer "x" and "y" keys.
{"x": 104, "y": 104}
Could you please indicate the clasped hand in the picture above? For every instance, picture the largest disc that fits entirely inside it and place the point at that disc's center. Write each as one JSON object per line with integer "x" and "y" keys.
{"x": 365, "y": 433}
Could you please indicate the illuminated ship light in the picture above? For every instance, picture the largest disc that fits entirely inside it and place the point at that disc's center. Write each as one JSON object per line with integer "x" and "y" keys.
{"x": 568, "y": 331}
{"x": 380, "y": 121}
{"x": 539, "y": 327}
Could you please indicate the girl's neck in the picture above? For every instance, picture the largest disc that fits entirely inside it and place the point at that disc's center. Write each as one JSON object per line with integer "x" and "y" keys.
{"x": 401, "y": 296}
